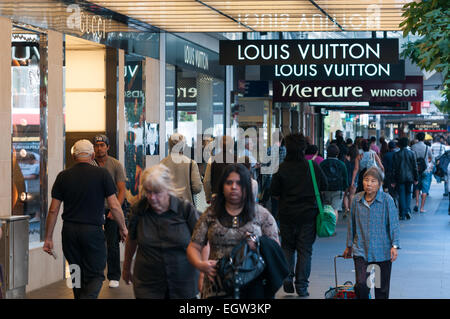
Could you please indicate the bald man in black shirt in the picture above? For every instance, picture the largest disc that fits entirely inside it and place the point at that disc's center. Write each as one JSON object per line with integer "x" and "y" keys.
{"x": 83, "y": 189}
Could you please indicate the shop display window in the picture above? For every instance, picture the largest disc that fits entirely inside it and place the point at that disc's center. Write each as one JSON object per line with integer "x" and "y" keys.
{"x": 135, "y": 125}
{"x": 29, "y": 136}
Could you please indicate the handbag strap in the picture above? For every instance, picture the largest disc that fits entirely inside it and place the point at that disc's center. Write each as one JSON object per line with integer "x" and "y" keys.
{"x": 316, "y": 189}
{"x": 190, "y": 180}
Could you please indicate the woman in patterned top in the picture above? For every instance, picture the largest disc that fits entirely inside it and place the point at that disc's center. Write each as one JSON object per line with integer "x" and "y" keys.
{"x": 232, "y": 216}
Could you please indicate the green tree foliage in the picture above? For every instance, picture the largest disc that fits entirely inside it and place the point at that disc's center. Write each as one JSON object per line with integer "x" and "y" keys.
{"x": 429, "y": 19}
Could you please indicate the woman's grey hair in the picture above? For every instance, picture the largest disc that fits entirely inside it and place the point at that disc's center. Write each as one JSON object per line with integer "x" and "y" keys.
{"x": 158, "y": 178}
{"x": 375, "y": 172}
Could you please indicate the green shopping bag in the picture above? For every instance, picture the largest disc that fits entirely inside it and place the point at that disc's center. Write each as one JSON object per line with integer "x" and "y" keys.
{"x": 326, "y": 220}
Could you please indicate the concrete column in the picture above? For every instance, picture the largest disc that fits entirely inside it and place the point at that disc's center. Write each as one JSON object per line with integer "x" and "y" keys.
{"x": 121, "y": 106}
{"x": 152, "y": 105}
{"x": 205, "y": 101}
{"x": 5, "y": 116}
{"x": 162, "y": 96}
{"x": 43, "y": 269}
{"x": 285, "y": 121}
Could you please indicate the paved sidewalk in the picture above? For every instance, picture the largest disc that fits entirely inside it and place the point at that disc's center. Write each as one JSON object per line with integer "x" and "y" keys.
{"x": 422, "y": 269}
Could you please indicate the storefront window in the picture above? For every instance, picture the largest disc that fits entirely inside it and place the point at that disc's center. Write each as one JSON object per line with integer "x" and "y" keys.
{"x": 29, "y": 136}
{"x": 200, "y": 104}
{"x": 195, "y": 91}
{"x": 134, "y": 124}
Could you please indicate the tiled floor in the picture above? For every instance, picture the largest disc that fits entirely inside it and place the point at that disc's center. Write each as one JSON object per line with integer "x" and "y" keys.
{"x": 422, "y": 269}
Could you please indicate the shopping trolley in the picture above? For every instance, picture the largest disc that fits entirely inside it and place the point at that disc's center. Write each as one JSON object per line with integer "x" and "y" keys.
{"x": 345, "y": 291}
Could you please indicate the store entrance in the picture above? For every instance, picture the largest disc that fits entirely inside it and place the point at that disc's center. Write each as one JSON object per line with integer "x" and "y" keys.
{"x": 85, "y": 92}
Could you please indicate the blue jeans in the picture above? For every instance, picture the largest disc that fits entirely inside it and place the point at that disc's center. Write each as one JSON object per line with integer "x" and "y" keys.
{"x": 404, "y": 198}
{"x": 84, "y": 245}
{"x": 298, "y": 239}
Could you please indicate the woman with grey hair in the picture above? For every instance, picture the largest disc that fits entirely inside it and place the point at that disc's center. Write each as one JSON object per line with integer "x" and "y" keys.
{"x": 373, "y": 235}
{"x": 160, "y": 228}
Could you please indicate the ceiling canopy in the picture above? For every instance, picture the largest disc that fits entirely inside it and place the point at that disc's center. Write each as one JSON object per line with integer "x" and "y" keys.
{"x": 263, "y": 15}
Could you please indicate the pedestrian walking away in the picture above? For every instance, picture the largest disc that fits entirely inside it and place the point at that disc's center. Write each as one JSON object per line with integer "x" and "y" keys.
{"x": 83, "y": 189}
{"x": 375, "y": 242}
{"x": 161, "y": 224}
{"x": 117, "y": 172}
{"x": 297, "y": 211}
{"x": 404, "y": 175}
{"x": 424, "y": 158}
{"x": 184, "y": 170}
{"x": 337, "y": 178}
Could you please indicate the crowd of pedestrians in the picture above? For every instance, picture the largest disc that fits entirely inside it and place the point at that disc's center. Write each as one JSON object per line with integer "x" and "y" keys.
{"x": 176, "y": 247}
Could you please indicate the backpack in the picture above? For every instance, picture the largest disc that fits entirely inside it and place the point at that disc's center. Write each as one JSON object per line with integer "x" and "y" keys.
{"x": 334, "y": 175}
{"x": 421, "y": 163}
{"x": 442, "y": 164}
{"x": 240, "y": 268}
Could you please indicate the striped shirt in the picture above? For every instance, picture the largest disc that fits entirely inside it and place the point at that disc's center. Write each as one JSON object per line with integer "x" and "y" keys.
{"x": 373, "y": 229}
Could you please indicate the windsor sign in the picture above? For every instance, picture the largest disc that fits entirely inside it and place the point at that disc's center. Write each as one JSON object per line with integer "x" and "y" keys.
{"x": 409, "y": 90}
{"x": 281, "y": 52}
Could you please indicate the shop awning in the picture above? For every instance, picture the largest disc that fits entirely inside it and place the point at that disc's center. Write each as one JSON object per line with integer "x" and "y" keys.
{"x": 263, "y": 15}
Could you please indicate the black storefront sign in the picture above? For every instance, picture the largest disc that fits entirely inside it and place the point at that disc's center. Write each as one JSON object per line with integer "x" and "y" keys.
{"x": 253, "y": 88}
{"x": 409, "y": 90}
{"x": 186, "y": 90}
{"x": 188, "y": 55}
{"x": 336, "y": 51}
{"x": 324, "y": 72}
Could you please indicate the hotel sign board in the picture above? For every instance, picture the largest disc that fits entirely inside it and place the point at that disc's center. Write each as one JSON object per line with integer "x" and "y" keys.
{"x": 324, "y": 72}
{"x": 428, "y": 127}
{"x": 329, "y": 51}
{"x": 409, "y": 90}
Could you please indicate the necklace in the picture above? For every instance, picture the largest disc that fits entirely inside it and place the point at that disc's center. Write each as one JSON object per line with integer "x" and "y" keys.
{"x": 369, "y": 201}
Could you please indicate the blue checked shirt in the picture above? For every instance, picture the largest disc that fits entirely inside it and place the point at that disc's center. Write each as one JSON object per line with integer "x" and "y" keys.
{"x": 372, "y": 230}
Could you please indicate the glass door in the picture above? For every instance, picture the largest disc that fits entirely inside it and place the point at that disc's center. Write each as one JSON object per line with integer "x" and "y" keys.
{"x": 29, "y": 129}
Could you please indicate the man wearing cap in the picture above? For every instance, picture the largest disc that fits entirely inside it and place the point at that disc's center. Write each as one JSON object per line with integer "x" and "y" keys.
{"x": 117, "y": 172}
{"x": 83, "y": 189}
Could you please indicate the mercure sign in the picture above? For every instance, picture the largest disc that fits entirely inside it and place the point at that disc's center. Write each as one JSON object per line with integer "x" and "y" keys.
{"x": 409, "y": 90}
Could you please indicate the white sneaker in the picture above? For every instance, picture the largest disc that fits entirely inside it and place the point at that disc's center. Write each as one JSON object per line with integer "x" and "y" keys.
{"x": 113, "y": 284}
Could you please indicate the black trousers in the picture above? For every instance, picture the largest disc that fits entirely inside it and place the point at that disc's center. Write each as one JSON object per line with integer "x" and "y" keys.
{"x": 298, "y": 238}
{"x": 113, "y": 249}
{"x": 383, "y": 270}
{"x": 84, "y": 246}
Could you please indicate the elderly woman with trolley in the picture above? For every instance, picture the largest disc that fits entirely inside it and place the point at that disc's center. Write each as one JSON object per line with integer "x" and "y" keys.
{"x": 373, "y": 235}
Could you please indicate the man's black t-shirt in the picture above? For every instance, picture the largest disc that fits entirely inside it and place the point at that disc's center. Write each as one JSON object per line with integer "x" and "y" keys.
{"x": 83, "y": 189}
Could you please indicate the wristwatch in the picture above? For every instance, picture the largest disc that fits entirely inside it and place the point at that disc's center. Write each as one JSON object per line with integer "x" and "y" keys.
{"x": 395, "y": 246}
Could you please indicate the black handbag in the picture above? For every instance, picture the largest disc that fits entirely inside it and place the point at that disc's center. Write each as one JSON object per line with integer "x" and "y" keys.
{"x": 240, "y": 268}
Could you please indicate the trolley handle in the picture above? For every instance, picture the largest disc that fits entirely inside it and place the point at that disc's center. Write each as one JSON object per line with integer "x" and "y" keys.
{"x": 335, "y": 271}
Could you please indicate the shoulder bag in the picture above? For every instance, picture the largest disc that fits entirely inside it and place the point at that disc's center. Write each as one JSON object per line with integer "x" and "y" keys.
{"x": 326, "y": 220}
{"x": 241, "y": 267}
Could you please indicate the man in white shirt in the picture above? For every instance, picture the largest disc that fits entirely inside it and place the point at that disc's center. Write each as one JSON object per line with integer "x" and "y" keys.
{"x": 422, "y": 151}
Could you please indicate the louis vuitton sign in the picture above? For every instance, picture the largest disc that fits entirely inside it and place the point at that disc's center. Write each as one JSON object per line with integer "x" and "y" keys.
{"x": 279, "y": 52}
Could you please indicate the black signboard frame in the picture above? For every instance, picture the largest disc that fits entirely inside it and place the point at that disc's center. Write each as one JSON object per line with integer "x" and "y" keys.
{"x": 334, "y": 72}
{"x": 320, "y": 51}
{"x": 349, "y": 91}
